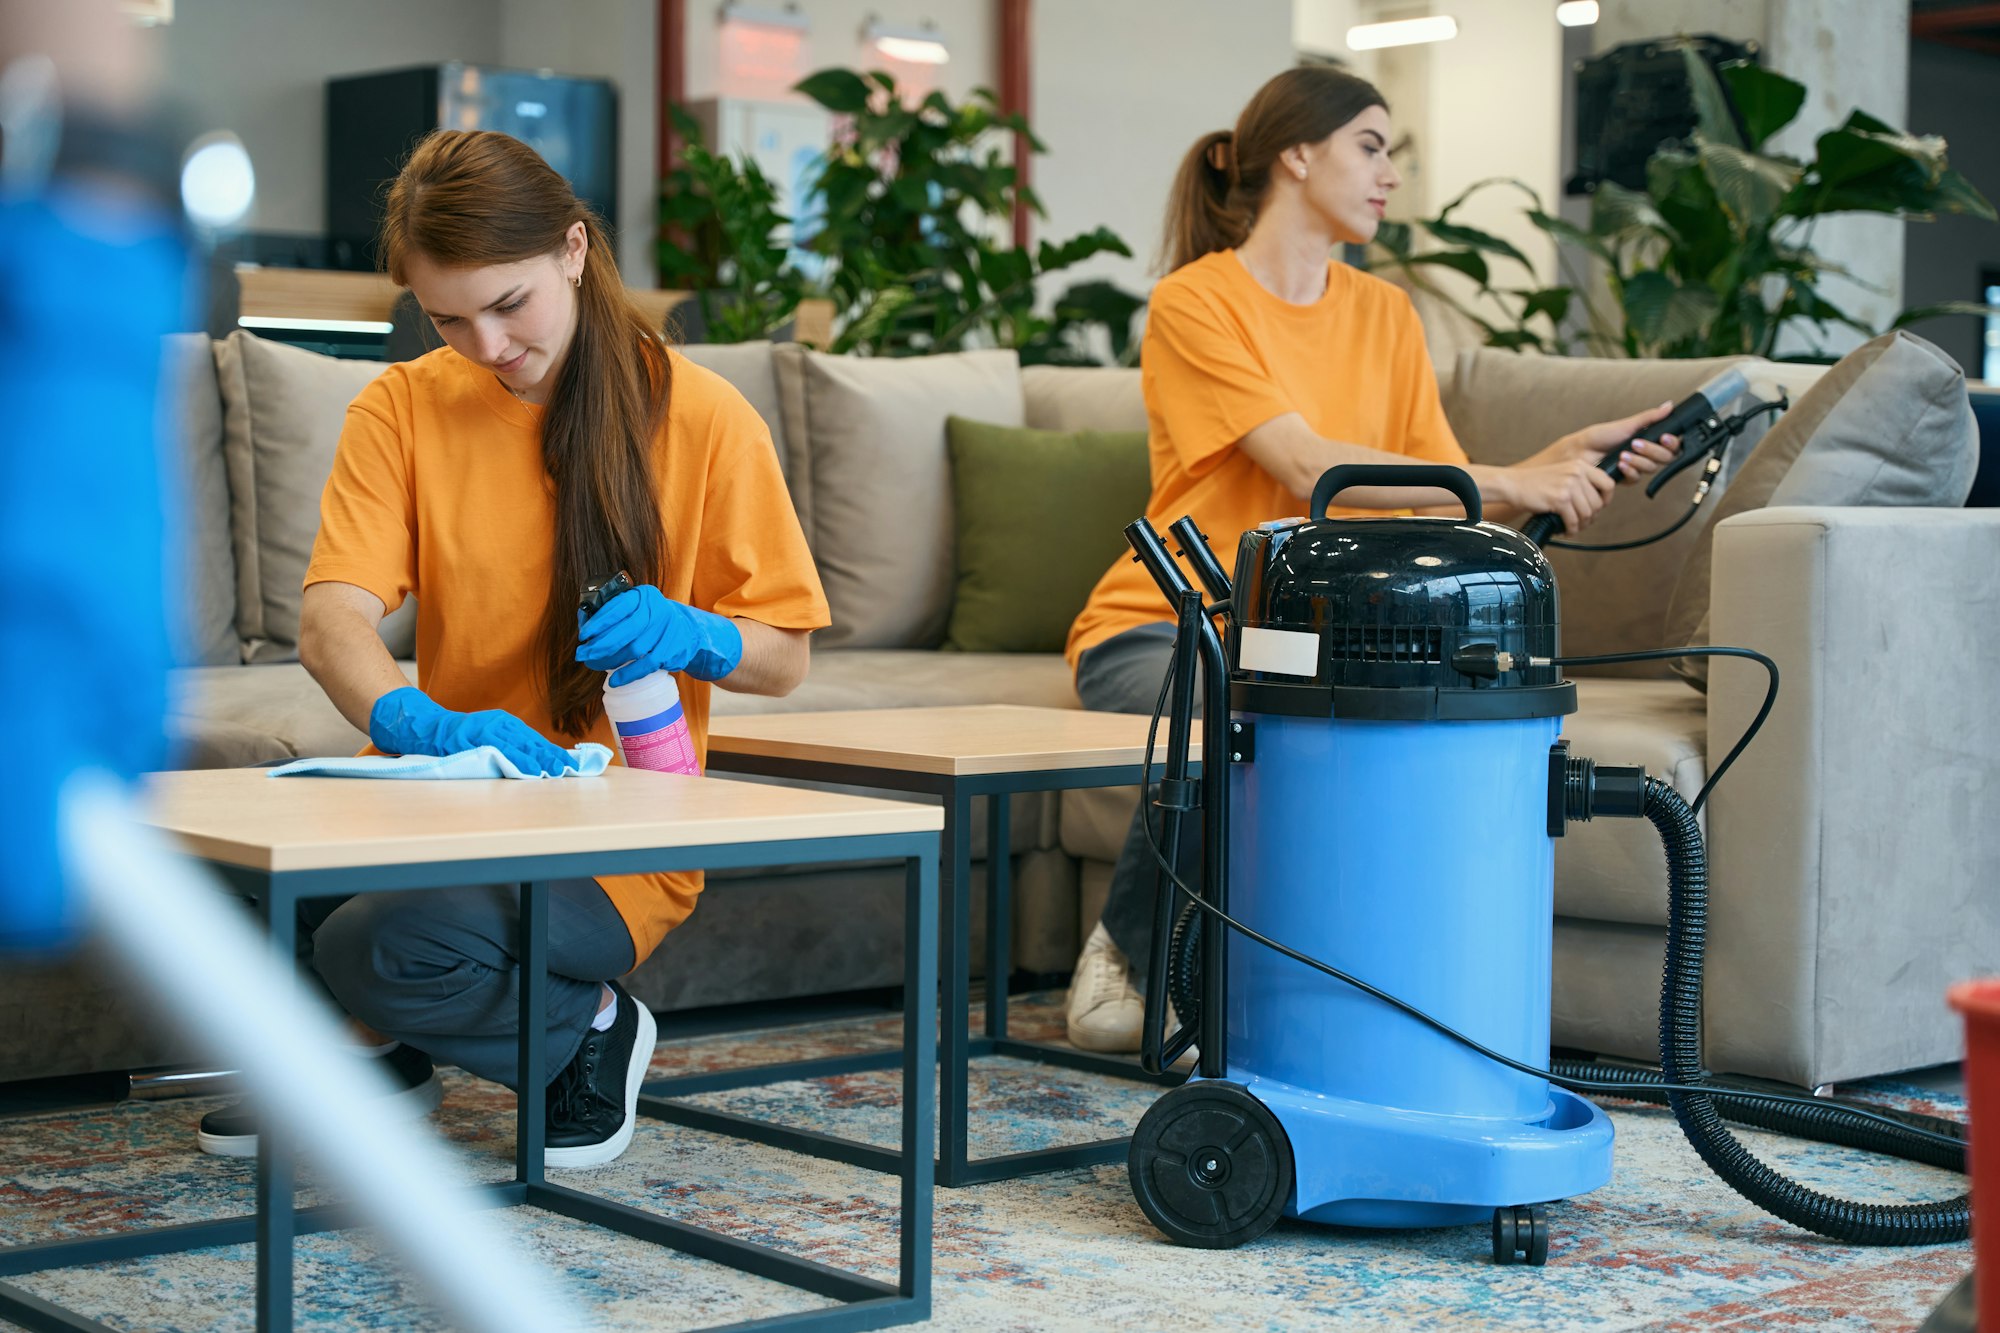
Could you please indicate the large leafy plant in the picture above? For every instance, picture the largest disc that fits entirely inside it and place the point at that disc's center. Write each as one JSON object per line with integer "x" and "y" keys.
{"x": 912, "y": 199}
{"x": 1715, "y": 255}
{"x": 908, "y": 209}
{"x": 723, "y": 236}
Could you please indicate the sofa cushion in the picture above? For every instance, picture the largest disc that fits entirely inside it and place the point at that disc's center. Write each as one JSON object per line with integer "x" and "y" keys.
{"x": 914, "y": 678}
{"x": 880, "y": 505}
{"x": 1889, "y": 425}
{"x": 210, "y": 709}
{"x": 1037, "y": 517}
{"x": 1505, "y": 406}
{"x": 283, "y": 408}
{"x": 205, "y": 628}
{"x": 1083, "y": 398}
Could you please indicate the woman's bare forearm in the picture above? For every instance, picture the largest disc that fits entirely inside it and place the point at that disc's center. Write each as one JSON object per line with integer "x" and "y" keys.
{"x": 774, "y": 660}
{"x": 340, "y": 646}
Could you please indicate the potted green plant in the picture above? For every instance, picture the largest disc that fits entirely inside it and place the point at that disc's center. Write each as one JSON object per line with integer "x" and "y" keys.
{"x": 1715, "y": 256}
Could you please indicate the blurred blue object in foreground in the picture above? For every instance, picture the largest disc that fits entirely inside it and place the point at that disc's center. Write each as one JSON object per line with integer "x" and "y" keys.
{"x": 91, "y": 279}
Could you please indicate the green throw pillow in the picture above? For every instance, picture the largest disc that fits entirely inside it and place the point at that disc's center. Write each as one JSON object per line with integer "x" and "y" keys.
{"x": 1041, "y": 515}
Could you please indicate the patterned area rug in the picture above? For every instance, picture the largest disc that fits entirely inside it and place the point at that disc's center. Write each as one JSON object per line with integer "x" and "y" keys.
{"x": 1664, "y": 1246}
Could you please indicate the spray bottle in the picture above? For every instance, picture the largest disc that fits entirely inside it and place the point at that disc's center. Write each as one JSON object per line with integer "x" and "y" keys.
{"x": 645, "y": 714}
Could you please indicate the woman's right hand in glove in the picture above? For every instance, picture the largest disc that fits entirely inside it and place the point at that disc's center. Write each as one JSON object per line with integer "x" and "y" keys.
{"x": 408, "y": 721}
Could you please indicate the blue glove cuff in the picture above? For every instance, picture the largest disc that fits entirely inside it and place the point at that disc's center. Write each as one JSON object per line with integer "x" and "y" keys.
{"x": 721, "y": 649}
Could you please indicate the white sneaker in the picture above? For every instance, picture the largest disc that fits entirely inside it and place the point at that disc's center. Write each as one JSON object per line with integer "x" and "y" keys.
{"x": 1105, "y": 1012}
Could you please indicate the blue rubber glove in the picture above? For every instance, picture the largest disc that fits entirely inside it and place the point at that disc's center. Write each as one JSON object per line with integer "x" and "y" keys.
{"x": 643, "y": 631}
{"x": 408, "y": 721}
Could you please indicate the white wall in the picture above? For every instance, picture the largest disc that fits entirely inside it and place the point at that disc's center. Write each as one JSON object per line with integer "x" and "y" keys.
{"x": 259, "y": 68}
{"x": 1122, "y": 88}
{"x": 616, "y": 40}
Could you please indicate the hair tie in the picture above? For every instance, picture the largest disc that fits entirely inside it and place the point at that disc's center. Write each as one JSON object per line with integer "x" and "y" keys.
{"x": 1222, "y": 153}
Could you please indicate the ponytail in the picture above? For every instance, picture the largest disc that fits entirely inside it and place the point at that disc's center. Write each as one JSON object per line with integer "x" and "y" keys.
{"x": 1200, "y": 216}
{"x": 1223, "y": 180}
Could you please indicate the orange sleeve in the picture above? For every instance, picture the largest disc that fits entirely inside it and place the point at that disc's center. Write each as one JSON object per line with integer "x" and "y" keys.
{"x": 753, "y": 560}
{"x": 1201, "y": 377}
{"x": 1426, "y": 433}
{"x": 367, "y": 514}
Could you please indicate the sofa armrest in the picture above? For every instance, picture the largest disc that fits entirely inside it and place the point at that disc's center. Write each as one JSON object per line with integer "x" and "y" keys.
{"x": 1853, "y": 851}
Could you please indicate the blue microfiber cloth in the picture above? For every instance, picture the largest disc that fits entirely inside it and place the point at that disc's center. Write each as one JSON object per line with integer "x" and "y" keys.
{"x": 586, "y": 761}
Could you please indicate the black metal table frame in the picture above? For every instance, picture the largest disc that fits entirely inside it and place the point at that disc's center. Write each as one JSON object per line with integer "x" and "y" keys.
{"x": 956, "y": 1048}
{"x": 866, "y": 1302}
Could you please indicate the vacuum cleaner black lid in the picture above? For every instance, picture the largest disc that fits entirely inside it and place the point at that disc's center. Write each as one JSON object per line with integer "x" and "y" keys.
{"x": 1359, "y": 605}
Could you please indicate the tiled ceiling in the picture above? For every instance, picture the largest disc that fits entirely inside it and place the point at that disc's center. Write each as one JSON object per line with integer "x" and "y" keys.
{"x": 1971, "y": 24}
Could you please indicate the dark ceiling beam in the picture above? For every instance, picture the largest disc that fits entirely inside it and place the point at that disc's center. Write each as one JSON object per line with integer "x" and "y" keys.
{"x": 1940, "y": 22}
{"x": 1987, "y": 46}
{"x": 1016, "y": 86}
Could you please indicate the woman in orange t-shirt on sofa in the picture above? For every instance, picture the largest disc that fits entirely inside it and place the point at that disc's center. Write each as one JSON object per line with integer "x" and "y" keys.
{"x": 1264, "y": 364}
{"x": 553, "y": 440}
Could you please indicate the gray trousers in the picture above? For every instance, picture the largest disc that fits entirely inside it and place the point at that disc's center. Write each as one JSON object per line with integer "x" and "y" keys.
{"x": 1123, "y": 675}
{"x": 440, "y": 968}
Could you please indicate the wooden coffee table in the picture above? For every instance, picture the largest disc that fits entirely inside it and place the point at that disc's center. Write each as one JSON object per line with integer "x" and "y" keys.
{"x": 282, "y": 840}
{"x": 959, "y": 754}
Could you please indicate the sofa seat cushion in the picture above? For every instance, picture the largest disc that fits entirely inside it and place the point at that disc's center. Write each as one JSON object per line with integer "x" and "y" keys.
{"x": 216, "y": 710}
{"x": 1606, "y": 870}
{"x": 843, "y": 678}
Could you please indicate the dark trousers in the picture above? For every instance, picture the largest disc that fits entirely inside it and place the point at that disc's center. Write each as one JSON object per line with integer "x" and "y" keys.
{"x": 1123, "y": 675}
{"x": 440, "y": 968}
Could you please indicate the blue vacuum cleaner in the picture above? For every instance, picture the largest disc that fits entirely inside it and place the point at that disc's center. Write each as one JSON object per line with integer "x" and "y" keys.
{"x": 1364, "y": 960}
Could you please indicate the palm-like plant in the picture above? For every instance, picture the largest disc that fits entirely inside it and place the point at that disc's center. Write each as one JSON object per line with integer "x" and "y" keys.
{"x": 1715, "y": 256}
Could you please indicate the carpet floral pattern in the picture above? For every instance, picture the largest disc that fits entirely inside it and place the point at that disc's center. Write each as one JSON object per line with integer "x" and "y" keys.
{"x": 1664, "y": 1246}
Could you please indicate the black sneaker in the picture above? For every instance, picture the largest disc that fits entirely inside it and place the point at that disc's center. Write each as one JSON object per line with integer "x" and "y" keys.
{"x": 595, "y": 1099}
{"x": 232, "y": 1131}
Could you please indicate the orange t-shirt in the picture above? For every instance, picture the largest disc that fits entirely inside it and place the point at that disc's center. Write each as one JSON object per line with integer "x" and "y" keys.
{"x": 1222, "y": 356}
{"x": 438, "y": 491}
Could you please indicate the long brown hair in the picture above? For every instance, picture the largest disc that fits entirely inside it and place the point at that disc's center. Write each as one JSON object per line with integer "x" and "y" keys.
{"x": 471, "y": 198}
{"x": 1221, "y": 185}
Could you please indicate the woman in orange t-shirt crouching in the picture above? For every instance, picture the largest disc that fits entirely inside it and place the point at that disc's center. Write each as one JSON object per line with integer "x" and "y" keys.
{"x": 1264, "y": 364}
{"x": 554, "y": 440}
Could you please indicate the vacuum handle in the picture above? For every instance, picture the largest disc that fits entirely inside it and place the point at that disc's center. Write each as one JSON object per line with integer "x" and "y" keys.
{"x": 1441, "y": 475}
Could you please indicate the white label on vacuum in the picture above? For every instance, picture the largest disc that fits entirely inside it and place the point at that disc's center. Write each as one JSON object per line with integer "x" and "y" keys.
{"x": 1287, "y": 652}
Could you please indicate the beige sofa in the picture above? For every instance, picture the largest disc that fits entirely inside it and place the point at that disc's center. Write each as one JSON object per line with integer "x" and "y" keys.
{"x": 1846, "y": 891}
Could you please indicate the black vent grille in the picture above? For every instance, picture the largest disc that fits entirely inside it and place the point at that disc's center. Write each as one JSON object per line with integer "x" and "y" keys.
{"x": 1385, "y": 643}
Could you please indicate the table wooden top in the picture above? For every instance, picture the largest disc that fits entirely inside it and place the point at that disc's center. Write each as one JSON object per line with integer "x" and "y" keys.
{"x": 959, "y": 741}
{"x": 245, "y": 817}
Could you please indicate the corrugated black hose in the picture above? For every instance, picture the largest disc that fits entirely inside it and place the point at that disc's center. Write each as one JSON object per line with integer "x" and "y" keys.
{"x": 1701, "y": 1120}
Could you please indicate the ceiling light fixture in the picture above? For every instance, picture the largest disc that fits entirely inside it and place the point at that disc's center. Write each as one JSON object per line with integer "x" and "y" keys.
{"x": 912, "y": 45}
{"x": 1402, "y": 32}
{"x": 765, "y": 16}
{"x": 1576, "y": 13}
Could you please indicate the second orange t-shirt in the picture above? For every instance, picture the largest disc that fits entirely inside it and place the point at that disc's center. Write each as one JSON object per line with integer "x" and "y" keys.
{"x": 1222, "y": 356}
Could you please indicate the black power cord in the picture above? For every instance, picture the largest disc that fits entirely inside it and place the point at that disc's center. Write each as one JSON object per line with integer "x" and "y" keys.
{"x": 1622, "y": 1087}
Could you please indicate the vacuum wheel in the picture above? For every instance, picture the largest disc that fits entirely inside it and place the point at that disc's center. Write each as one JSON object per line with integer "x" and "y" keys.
{"x": 1521, "y": 1235}
{"x": 1211, "y": 1165}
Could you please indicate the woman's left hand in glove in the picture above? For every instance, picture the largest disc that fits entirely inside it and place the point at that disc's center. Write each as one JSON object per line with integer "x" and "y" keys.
{"x": 643, "y": 630}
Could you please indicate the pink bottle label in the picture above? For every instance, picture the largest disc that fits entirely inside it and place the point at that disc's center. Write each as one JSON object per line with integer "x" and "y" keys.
{"x": 660, "y": 743}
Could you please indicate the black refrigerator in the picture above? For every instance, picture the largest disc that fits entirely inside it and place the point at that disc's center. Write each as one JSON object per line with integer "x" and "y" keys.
{"x": 373, "y": 120}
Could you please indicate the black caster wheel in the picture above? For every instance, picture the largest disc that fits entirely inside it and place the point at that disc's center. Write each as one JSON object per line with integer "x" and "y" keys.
{"x": 1521, "y": 1235}
{"x": 1211, "y": 1165}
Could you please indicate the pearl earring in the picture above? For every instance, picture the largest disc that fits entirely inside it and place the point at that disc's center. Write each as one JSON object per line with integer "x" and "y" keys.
{"x": 576, "y": 280}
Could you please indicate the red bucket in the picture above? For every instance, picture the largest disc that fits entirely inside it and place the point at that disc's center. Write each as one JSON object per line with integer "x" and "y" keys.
{"x": 1979, "y": 1001}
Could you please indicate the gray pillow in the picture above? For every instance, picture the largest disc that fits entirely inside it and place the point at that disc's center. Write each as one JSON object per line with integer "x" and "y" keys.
{"x": 879, "y": 520}
{"x": 282, "y": 411}
{"x": 1889, "y": 425}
